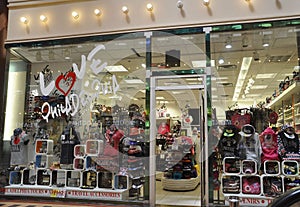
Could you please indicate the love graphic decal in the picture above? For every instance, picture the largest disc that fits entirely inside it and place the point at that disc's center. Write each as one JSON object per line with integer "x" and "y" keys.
{"x": 64, "y": 83}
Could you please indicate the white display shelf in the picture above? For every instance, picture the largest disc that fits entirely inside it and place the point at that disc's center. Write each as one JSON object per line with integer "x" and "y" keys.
{"x": 180, "y": 184}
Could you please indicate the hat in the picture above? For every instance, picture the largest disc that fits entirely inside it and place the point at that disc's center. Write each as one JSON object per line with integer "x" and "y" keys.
{"x": 247, "y": 130}
{"x": 229, "y": 131}
{"x": 273, "y": 116}
{"x": 268, "y": 130}
{"x": 17, "y": 131}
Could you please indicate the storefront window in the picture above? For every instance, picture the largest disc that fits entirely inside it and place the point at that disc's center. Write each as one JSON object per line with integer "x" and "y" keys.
{"x": 84, "y": 118}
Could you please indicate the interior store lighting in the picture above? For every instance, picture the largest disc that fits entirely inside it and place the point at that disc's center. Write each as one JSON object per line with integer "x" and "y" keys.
{"x": 97, "y": 12}
{"x": 221, "y": 60}
{"x": 125, "y": 9}
{"x": 179, "y": 4}
{"x": 75, "y": 15}
{"x": 43, "y": 18}
{"x": 228, "y": 43}
{"x": 38, "y": 56}
{"x": 241, "y": 78}
{"x": 265, "y": 41}
{"x": 245, "y": 41}
{"x": 150, "y": 7}
{"x": 206, "y": 2}
{"x": 51, "y": 55}
{"x": 24, "y": 20}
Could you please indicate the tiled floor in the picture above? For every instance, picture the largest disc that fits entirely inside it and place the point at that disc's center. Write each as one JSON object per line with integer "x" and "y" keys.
{"x": 187, "y": 198}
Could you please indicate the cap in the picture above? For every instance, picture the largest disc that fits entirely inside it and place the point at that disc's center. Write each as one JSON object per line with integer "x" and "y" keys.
{"x": 247, "y": 130}
{"x": 268, "y": 130}
{"x": 229, "y": 131}
{"x": 17, "y": 131}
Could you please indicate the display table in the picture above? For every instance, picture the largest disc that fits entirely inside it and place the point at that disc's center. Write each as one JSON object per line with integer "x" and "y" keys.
{"x": 180, "y": 184}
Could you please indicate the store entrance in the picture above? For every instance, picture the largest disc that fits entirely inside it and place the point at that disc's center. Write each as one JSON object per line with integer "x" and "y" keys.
{"x": 178, "y": 127}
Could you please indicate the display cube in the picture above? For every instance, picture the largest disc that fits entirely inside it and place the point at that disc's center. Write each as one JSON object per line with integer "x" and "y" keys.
{"x": 231, "y": 165}
{"x": 43, "y": 160}
{"x": 272, "y": 185}
{"x": 58, "y": 178}
{"x": 291, "y": 182}
{"x": 15, "y": 178}
{"x": 73, "y": 178}
{"x": 28, "y": 177}
{"x": 121, "y": 182}
{"x": 79, "y": 150}
{"x": 272, "y": 167}
{"x": 43, "y": 146}
{"x": 78, "y": 163}
{"x": 290, "y": 167}
{"x": 105, "y": 179}
{"x": 91, "y": 162}
{"x": 43, "y": 177}
{"x": 251, "y": 185}
{"x": 249, "y": 167}
{"x": 89, "y": 179}
{"x": 94, "y": 147}
{"x": 231, "y": 184}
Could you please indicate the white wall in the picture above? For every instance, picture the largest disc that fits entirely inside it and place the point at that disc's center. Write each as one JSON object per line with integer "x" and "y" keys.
{"x": 164, "y": 15}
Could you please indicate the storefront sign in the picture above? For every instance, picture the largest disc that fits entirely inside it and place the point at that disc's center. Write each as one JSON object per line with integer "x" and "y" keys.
{"x": 101, "y": 195}
{"x": 253, "y": 202}
{"x": 41, "y": 192}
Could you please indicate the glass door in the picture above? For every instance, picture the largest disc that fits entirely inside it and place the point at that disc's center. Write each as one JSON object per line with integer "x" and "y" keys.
{"x": 177, "y": 131}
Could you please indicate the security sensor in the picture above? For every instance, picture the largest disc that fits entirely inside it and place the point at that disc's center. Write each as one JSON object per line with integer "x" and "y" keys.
{"x": 179, "y": 4}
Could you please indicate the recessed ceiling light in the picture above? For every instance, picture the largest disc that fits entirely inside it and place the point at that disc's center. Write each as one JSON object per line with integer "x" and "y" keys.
{"x": 266, "y": 75}
{"x": 160, "y": 98}
{"x": 116, "y": 68}
{"x": 257, "y": 87}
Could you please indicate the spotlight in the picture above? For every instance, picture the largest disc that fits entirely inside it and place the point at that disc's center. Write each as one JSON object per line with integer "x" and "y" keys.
{"x": 265, "y": 41}
{"x": 179, "y": 4}
{"x": 206, "y": 2}
{"x": 24, "y": 20}
{"x": 75, "y": 15}
{"x": 149, "y": 7}
{"x": 255, "y": 56}
{"x": 38, "y": 56}
{"x": 97, "y": 12}
{"x": 228, "y": 43}
{"x": 125, "y": 9}
{"x": 43, "y": 18}
{"x": 245, "y": 41}
{"x": 221, "y": 60}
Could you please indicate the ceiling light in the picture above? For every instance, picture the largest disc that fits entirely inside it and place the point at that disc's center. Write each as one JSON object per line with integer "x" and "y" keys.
{"x": 97, "y": 12}
{"x": 38, "y": 56}
{"x": 255, "y": 56}
{"x": 125, "y": 9}
{"x": 221, "y": 60}
{"x": 265, "y": 75}
{"x": 241, "y": 78}
{"x": 43, "y": 18}
{"x": 179, "y": 4}
{"x": 245, "y": 41}
{"x": 149, "y": 7}
{"x": 51, "y": 55}
{"x": 206, "y": 2}
{"x": 116, "y": 68}
{"x": 265, "y": 41}
{"x": 228, "y": 43}
{"x": 257, "y": 87}
{"x": 24, "y": 20}
{"x": 75, "y": 15}
{"x": 160, "y": 98}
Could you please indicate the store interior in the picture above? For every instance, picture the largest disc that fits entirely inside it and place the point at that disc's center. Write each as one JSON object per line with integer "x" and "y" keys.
{"x": 247, "y": 69}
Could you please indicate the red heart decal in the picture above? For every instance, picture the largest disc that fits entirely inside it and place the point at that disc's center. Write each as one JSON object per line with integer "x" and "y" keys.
{"x": 65, "y": 78}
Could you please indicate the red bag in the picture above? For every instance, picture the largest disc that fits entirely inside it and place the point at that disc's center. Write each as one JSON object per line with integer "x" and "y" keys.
{"x": 239, "y": 120}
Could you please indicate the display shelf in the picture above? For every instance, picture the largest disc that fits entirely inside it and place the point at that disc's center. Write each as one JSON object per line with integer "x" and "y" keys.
{"x": 58, "y": 178}
{"x": 180, "y": 184}
{"x": 43, "y": 146}
{"x": 285, "y": 95}
{"x": 43, "y": 160}
{"x": 43, "y": 176}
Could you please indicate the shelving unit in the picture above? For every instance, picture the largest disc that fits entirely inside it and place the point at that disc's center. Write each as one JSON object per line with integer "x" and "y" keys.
{"x": 287, "y": 105}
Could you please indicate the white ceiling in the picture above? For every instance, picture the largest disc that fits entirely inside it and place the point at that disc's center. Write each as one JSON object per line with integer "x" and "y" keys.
{"x": 278, "y": 59}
